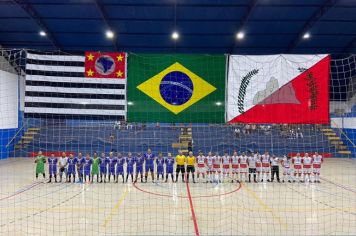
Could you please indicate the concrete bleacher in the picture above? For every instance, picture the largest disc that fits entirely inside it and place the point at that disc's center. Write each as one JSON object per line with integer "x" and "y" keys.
{"x": 90, "y": 136}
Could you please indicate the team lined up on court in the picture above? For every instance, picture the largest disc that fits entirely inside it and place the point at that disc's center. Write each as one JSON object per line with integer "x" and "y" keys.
{"x": 209, "y": 168}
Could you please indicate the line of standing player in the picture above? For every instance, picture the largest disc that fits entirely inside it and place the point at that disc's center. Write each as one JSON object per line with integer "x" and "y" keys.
{"x": 211, "y": 167}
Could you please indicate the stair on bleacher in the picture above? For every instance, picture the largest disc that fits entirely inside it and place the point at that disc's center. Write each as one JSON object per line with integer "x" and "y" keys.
{"x": 336, "y": 141}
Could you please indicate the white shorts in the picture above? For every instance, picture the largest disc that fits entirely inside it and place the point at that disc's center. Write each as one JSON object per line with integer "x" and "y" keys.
{"x": 216, "y": 169}
{"x": 243, "y": 170}
{"x": 201, "y": 170}
{"x": 287, "y": 171}
{"x": 307, "y": 170}
{"x": 316, "y": 171}
{"x": 235, "y": 168}
{"x": 209, "y": 168}
{"x": 226, "y": 170}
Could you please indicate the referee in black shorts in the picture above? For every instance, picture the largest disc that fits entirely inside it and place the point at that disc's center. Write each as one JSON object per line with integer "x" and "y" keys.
{"x": 180, "y": 160}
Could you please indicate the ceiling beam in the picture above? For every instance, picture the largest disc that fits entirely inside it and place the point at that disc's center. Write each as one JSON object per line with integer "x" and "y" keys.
{"x": 252, "y": 4}
{"x": 32, "y": 13}
{"x": 327, "y": 5}
{"x": 105, "y": 18}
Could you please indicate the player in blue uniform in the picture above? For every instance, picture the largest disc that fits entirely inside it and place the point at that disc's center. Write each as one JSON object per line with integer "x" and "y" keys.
{"x": 149, "y": 165}
{"x": 72, "y": 161}
{"x": 160, "y": 166}
{"x": 120, "y": 168}
{"x": 169, "y": 161}
{"x": 52, "y": 168}
{"x": 80, "y": 162}
{"x": 112, "y": 162}
{"x": 130, "y": 162}
{"x": 139, "y": 166}
{"x": 103, "y": 167}
{"x": 87, "y": 167}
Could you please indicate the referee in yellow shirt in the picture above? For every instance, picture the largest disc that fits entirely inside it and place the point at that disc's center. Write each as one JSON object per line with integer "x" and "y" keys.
{"x": 190, "y": 165}
{"x": 180, "y": 160}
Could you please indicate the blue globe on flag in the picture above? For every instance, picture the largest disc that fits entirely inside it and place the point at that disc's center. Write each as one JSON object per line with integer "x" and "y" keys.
{"x": 176, "y": 88}
{"x": 105, "y": 65}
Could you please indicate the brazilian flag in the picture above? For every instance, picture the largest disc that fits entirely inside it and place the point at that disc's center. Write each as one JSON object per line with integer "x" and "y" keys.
{"x": 176, "y": 88}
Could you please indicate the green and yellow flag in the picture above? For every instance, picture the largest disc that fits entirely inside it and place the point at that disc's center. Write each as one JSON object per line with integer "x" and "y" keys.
{"x": 176, "y": 88}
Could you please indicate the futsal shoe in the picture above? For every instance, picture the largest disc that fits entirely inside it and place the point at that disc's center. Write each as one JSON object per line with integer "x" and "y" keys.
{"x": 290, "y": 181}
{"x": 255, "y": 181}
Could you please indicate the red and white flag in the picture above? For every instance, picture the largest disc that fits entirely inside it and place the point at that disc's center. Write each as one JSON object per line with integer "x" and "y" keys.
{"x": 278, "y": 89}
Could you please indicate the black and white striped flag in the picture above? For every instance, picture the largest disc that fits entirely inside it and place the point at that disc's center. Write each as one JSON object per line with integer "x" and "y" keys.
{"x": 56, "y": 87}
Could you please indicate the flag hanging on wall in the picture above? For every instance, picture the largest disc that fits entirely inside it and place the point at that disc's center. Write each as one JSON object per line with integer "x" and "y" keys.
{"x": 176, "y": 88}
{"x": 278, "y": 89}
{"x": 90, "y": 85}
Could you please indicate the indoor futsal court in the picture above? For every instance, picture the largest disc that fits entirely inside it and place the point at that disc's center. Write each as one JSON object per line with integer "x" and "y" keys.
{"x": 177, "y": 117}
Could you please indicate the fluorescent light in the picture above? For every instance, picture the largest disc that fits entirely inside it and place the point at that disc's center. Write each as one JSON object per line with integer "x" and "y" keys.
{"x": 175, "y": 35}
{"x": 109, "y": 34}
{"x": 130, "y": 103}
{"x": 240, "y": 35}
{"x": 306, "y": 36}
{"x": 42, "y": 33}
{"x": 218, "y": 103}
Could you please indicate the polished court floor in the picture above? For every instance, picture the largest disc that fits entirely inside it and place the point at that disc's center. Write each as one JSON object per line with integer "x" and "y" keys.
{"x": 30, "y": 207}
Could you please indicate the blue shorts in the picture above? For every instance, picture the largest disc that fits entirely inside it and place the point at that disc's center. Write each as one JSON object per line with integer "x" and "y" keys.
{"x": 103, "y": 170}
{"x": 160, "y": 170}
{"x": 139, "y": 169}
{"x": 169, "y": 169}
{"x": 120, "y": 170}
{"x": 112, "y": 171}
{"x": 129, "y": 170}
{"x": 71, "y": 170}
{"x": 149, "y": 168}
{"x": 52, "y": 170}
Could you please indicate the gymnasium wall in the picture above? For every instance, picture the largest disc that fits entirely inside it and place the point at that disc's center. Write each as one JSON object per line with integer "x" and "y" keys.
{"x": 11, "y": 113}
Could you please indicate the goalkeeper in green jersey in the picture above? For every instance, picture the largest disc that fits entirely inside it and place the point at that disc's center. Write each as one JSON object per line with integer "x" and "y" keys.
{"x": 95, "y": 167}
{"x": 40, "y": 165}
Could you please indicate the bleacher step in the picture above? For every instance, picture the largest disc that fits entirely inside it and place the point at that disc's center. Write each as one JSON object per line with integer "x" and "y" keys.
{"x": 31, "y": 132}
{"x": 330, "y": 134}
{"x": 27, "y": 137}
{"x": 336, "y": 142}
{"x": 326, "y": 130}
{"x": 33, "y": 129}
{"x": 345, "y": 152}
{"x": 333, "y": 138}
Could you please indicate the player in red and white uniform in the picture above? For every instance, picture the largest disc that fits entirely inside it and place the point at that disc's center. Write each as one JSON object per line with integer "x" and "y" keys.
{"x": 226, "y": 160}
{"x": 217, "y": 166}
{"x": 317, "y": 161}
{"x": 258, "y": 165}
{"x": 243, "y": 166}
{"x": 201, "y": 165}
{"x": 235, "y": 167}
{"x": 297, "y": 165}
{"x": 209, "y": 161}
{"x": 307, "y": 167}
{"x": 266, "y": 167}
{"x": 287, "y": 164}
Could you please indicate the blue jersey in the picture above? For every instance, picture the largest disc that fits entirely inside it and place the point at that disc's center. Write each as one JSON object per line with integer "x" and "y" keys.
{"x": 120, "y": 161}
{"x": 52, "y": 165}
{"x": 139, "y": 161}
{"x": 149, "y": 158}
{"x": 160, "y": 164}
{"x": 169, "y": 164}
{"x": 130, "y": 161}
{"x": 71, "y": 165}
{"x": 80, "y": 162}
{"x": 112, "y": 162}
{"x": 169, "y": 161}
{"x": 103, "y": 162}
{"x": 87, "y": 166}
